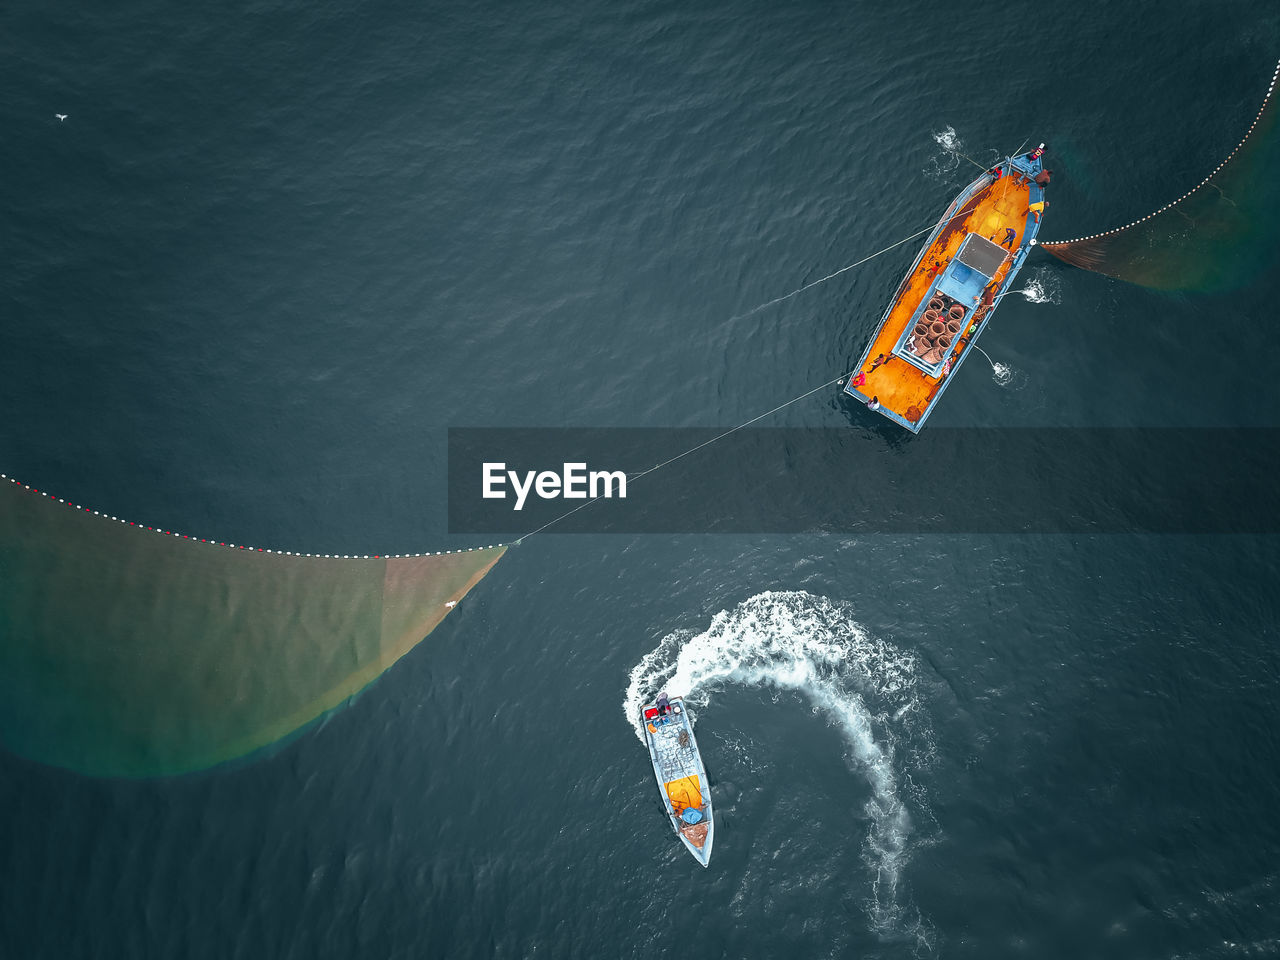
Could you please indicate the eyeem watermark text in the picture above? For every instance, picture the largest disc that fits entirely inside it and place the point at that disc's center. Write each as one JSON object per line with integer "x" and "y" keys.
{"x": 574, "y": 482}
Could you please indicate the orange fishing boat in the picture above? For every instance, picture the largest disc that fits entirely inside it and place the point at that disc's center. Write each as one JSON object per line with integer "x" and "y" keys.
{"x": 947, "y": 298}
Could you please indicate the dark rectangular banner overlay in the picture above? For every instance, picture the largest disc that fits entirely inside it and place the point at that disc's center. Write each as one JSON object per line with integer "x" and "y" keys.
{"x": 848, "y": 480}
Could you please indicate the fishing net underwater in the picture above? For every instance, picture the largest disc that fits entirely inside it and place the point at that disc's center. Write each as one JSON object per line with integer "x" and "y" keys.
{"x": 864, "y": 687}
{"x": 126, "y": 651}
{"x": 1221, "y": 234}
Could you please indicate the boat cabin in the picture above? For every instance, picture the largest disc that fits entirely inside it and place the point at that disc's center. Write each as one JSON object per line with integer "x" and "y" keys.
{"x": 944, "y": 311}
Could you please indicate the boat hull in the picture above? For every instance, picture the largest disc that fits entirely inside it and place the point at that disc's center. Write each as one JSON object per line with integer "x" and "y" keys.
{"x": 682, "y": 777}
{"x": 956, "y": 267}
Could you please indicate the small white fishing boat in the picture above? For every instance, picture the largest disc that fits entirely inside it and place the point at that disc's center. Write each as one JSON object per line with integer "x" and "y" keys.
{"x": 682, "y": 779}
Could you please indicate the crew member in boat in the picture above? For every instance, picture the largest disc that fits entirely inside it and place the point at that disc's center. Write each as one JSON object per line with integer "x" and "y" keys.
{"x": 1019, "y": 178}
{"x": 664, "y": 704}
{"x": 1042, "y": 178}
{"x": 1037, "y": 208}
{"x": 985, "y": 303}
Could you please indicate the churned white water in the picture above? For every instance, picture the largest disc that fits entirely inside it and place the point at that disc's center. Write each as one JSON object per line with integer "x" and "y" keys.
{"x": 948, "y": 159}
{"x": 811, "y": 645}
{"x": 1042, "y": 286}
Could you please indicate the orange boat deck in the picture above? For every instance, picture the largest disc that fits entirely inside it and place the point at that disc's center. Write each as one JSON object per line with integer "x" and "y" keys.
{"x": 901, "y": 387}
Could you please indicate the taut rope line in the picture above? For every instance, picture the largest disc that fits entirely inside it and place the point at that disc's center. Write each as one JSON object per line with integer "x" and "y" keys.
{"x": 741, "y": 426}
{"x": 706, "y": 443}
{"x": 831, "y": 276}
{"x": 659, "y": 466}
{"x": 756, "y": 419}
{"x": 976, "y": 163}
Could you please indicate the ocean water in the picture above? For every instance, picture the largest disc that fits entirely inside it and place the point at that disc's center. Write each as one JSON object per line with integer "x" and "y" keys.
{"x": 275, "y": 251}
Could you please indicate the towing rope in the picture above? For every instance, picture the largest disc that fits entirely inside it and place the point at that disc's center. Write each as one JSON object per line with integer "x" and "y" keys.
{"x": 759, "y": 417}
{"x": 569, "y": 513}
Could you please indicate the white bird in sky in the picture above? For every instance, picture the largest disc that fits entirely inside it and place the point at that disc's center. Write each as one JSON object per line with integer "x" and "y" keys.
{"x": 61, "y": 116}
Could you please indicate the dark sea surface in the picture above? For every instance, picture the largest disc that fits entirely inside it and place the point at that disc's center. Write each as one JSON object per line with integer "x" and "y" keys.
{"x": 275, "y": 251}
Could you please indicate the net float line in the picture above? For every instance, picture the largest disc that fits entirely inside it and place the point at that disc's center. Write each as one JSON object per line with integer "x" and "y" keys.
{"x": 235, "y": 546}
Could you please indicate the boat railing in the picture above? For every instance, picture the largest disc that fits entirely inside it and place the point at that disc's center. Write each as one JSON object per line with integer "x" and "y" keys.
{"x": 956, "y": 206}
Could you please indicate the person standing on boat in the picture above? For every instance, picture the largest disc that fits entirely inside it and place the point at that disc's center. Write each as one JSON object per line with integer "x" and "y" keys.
{"x": 984, "y": 302}
{"x": 1037, "y": 208}
{"x": 1009, "y": 235}
{"x": 873, "y": 403}
{"x": 877, "y": 361}
{"x": 1042, "y": 178}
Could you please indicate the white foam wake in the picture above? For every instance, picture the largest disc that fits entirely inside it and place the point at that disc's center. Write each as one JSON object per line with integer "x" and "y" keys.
{"x": 1042, "y": 286}
{"x": 942, "y": 165}
{"x": 948, "y": 139}
{"x": 864, "y": 686}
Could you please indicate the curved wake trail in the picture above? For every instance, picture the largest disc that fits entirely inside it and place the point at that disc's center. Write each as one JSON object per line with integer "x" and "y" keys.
{"x": 811, "y": 645}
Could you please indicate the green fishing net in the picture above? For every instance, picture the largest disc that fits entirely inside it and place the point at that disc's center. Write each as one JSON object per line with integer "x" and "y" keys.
{"x": 126, "y": 652}
{"x": 1220, "y": 235}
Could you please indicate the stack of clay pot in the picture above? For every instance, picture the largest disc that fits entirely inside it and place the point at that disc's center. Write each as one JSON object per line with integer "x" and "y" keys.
{"x": 935, "y": 332}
